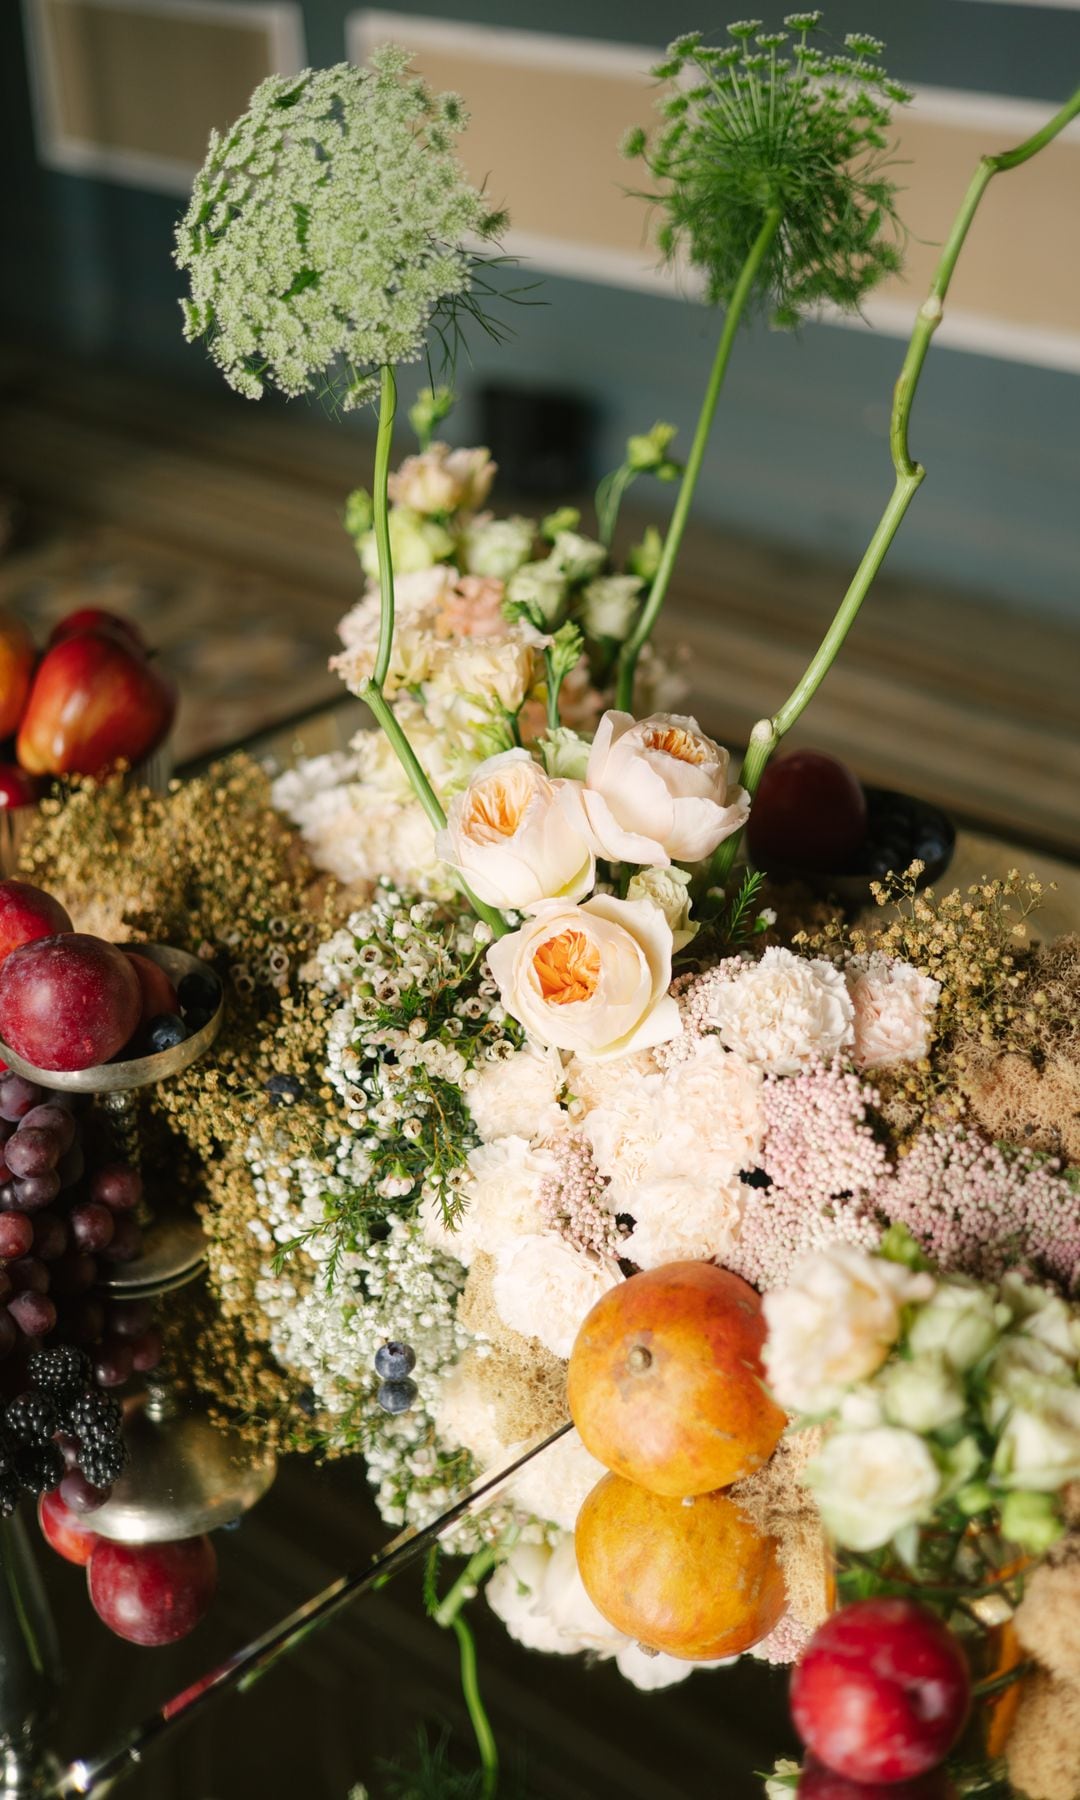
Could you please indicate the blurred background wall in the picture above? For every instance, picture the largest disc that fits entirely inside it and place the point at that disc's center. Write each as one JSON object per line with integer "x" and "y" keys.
{"x": 107, "y": 104}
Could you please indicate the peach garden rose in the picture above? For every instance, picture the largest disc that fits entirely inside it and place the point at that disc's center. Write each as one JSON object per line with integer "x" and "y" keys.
{"x": 507, "y": 835}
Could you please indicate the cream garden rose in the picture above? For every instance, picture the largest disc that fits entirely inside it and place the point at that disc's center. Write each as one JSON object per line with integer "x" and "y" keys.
{"x": 656, "y": 791}
{"x": 509, "y": 838}
{"x": 835, "y": 1324}
{"x": 871, "y": 1484}
{"x": 442, "y": 480}
{"x": 592, "y": 978}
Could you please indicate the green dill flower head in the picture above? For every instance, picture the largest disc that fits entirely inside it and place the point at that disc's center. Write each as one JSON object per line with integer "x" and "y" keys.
{"x": 325, "y": 234}
{"x": 770, "y": 120}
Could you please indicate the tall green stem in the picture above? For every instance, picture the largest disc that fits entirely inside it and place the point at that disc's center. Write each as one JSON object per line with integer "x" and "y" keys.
{"x": 631, "y": 650}
{"x": 481, "y": 1724}
{"x": 372, "y": 691}
{"x": 767, "y": 733}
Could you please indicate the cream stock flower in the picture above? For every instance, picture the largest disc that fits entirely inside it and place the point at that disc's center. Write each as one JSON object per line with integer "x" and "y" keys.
{"x": 783, "y": 1011}
{"x": 835, "y": 1324}
{"x": 592, "y": 978}
{"x": 442, "y": 480}
{"x": 871, "y": 1484}
{"x": 656, "y": 791}
{"x": 509, "y": 838}
{"x": 894, "y": 1011}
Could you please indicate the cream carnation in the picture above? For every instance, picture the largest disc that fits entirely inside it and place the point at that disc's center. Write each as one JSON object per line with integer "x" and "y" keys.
{"x": 500, "y": 1188}
{"x": 519, "y": 1095}
{"x": 515, "y": 1594}
{"x": 783, "y": 1012}
{"x": 683, "y": 1217}
{"x": 510, "y": 840}
{"x": 656, "y": 791}
{"x": 442, "y": 480}
{"x": 871, "y": 1484}
{"x": 554, "y": 1485}
{"x": 701, "y": 1119}
{"x": 543, "y": 1288}
{"x": 894, "y": 1011}
{"x": 464, "y": 1415}
{"x": 835, "y": 1324}
{"x": 592, "y": 978}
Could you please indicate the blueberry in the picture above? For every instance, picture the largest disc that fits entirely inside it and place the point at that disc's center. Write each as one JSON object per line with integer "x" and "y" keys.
{"x": 889, "y": 858}
{"x": 397, "y": 1396}
{"x": 195, "y": 1018}
{"x": 199, "y": 992}
{"x": 285, "y": 1090}
{"x": 930, "y": 848}
{"x": 394, "y": 1361}
{"x": 165, "y": 1032}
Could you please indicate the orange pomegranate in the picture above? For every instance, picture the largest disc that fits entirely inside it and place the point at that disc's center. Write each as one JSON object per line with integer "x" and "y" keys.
{"x": 694, "y": 1578}
{"x": 665, "y": 1380}
{"x": 17, "y": 658}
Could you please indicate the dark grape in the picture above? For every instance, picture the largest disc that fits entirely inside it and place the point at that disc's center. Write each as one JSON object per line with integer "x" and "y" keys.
{"x": 8, "y": 1332}
{"x": 41, "y": 1468}
{"x": 200, "y": 993}
{"x": 116, "y": 1185}
{"x": 114, "y": 1363}
{"x": 165, "y": 1032}
{"x": 34, "y": 1314}
{"x": 31, "y": 1417}
{"x": 16, "y": 1235}
{"x": 78, "y": 1494}
{"x": 394, "y": 1361}
{"x": 92, "y": 1225}
{"x": 17, "y": 1097}
{"x": 53, "y": 1116}
{"x": 29, "y": 1275}
{"x": 396, "y": 1396}
{"x": 35, "y": 1191}
{"x": 146, "y": 1352}
{"x": 33, "y": 1150}
{"x": 126, "y": 1242}
{"x": 130, "y": 1318}
{"x": 5, "y": 1285}
{"x": 50, "y": 1236}
{"x": 59, "y": 1367}
{"x": 84, "y": 1322}
{"x": 71, "y": 1166}
{"x": 74, "y": 1273}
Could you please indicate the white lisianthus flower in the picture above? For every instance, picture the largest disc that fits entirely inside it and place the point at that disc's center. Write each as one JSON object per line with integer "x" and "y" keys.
{"x": 555, "y": 1484}
{"x": 565, "y": 753}
{"x": 497, "y": 547}
{"x": 592, "y": 978}
{"x": 416, "y": 543}
{"x": 669, "y": 889}
{"x": 519, "y": 1096}
{"x": 501, "y": 1186}
{"x": 778, "y": 1786}
{"x": 922, "y": 1394}
{"x": 834, "y": 1324}
{"x": 784, "y": 1011}
{"x": 1042, "y": 1314}
{"x": 609, "y": 606}
{"x": 509, "y": 838}
{"x": 441, "y": 480}
{"x": 515, "y": 1594}
{"x": 543, "y": 1288}
{"x": 871, "y": 1484}
{"x": 894, "y": 1011}
{"x": 1033, "y": 1401}
{"x": 577, "y": 558}
{"x": 478, "y": 676}
{"x": 962, "y": 1322}
{"x": 656, "y": 791}
{"x": 539, "y": 587}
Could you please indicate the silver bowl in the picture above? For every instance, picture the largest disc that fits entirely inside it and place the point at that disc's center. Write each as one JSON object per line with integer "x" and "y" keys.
{"x": 137, "y": 1071}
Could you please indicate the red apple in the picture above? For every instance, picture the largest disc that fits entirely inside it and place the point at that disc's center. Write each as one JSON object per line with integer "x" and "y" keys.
{"x": 816, "y": 1782}
{"x": 95, "y": 618}
{"x": 27, "y": 913}
{"x": 152, "y": 1593}
{"x": 881, "y": 1692}
{"x": 61, "y": 1528}
{"x": 17, "y": 788}
{"x": 68, "y": 1002}
{"x": 96, "y": 701}
{"x": 809, "y": 813}
{"x": 157, "y": 991}
{"x": 17, "y": 659}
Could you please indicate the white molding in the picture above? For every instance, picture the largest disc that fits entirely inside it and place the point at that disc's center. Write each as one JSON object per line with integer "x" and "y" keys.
{"x": 369, "y": 26}
{"x": 280, "y": 20}
{"x": 987, "y": 112}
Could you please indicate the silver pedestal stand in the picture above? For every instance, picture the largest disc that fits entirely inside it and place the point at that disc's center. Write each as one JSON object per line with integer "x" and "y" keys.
{"x": 184, "y": 1476}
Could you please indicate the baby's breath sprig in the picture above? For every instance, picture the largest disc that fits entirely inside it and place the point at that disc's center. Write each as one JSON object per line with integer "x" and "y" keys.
{"x": 769, "y": 172}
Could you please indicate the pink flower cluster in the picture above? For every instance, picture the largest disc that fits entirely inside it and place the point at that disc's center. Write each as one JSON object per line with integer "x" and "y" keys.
{"x": 570, "y": 1201}
{"x": 979, "y": 1212}
{"x": 817, "y": 1142}
{"x": 778, "y": 1227}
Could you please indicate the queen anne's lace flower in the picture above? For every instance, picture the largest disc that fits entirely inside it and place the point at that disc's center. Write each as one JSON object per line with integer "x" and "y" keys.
{"x": 326, "y": 228}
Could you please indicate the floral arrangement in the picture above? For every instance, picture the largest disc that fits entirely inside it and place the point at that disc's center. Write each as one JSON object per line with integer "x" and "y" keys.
{"x": 548, "y": 1045}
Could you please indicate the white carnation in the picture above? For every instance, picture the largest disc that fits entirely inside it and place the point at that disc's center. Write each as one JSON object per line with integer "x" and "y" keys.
{"x": 555, "y": 1484}
{"x": 871, "y": 1484}
{"x": 501, "y": 1188}
{"x": 784, "y": 1011}
{"x": 543, "y": 1288}
{"x": 518, "y": 1097}
{"x": 834, "y": 1324}
{"x": 464, "y": 1416}
{"x": 683, "y": 1218}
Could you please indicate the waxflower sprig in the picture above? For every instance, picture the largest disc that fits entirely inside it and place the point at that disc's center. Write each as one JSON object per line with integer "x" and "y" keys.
{"x": 769, "y": 176}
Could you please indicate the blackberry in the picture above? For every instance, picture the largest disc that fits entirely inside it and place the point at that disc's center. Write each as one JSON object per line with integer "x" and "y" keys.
{"x": 103, "y": 1462}
{"x": 10, "y": 1490}
{"x": 59, "y": 1368}
{"x": 41, "y": 1467}
{"x": 91, "y": 1415}
{"x": 31, "y": 1418}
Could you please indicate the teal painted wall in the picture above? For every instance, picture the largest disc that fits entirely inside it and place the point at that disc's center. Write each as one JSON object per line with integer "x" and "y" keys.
{"x": 800, "y": 454}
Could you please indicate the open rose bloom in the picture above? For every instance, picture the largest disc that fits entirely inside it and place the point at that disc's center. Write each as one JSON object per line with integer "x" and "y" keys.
{"x": 509, "y": 838}
{"x": 656, "y": 791}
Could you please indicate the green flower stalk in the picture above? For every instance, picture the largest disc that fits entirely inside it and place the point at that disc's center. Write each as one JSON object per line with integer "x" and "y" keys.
{"x": 769, "y": 172}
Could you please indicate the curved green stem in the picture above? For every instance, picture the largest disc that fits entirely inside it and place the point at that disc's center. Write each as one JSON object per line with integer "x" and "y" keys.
{"x": 609, "y": 499}
{"x": 481, "y": 1724}
{"x": 468, "y": 1581}
{"x": 767, "y": 733}
{"x": 631, "y": 650}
